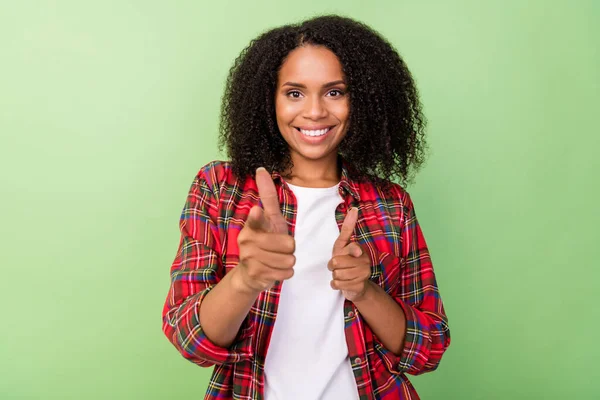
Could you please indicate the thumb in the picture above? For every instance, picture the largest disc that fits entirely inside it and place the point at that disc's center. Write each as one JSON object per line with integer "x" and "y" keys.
{"x": 354, "y": 249}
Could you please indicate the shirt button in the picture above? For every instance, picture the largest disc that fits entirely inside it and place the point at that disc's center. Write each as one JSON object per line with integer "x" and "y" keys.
{"x": 357, "y": 360}
{"x": 351, "y": 314}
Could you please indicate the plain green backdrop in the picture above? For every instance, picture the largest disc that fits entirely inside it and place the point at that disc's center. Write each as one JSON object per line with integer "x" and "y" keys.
{"x": 109, "y": 108}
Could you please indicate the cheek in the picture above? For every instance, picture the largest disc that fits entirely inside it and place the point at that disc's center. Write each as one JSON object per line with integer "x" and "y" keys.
{"x": 342, "y": 111}
{"x": 285, "y": 112}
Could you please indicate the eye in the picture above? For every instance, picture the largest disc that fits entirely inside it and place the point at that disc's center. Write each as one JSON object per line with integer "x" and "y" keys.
{"x": 335, "y": 93}
{"x": 294, "y": 94}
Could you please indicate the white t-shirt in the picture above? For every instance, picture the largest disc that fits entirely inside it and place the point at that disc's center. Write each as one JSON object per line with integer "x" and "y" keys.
{"x": 307, "y": 356}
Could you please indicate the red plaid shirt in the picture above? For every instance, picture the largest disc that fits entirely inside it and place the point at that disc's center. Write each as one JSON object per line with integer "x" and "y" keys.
{"x": 215, "y": 211}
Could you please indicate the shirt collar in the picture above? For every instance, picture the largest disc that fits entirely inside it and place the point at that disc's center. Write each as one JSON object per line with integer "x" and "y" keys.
{"x": 346, "y": 182}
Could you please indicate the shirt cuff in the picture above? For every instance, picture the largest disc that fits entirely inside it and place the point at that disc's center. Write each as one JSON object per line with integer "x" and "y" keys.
{"x": 416, "y": 346}
{"x": 196, "y": 345}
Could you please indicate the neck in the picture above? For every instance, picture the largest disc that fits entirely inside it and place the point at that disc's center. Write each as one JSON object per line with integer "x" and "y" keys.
{"x": 314, "y": 173}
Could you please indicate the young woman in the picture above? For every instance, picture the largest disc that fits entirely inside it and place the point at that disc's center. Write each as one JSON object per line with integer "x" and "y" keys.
{"x": 310, "y": 279}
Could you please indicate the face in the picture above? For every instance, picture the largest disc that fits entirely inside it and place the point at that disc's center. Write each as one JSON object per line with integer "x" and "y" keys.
{"x": 311, "y": 104}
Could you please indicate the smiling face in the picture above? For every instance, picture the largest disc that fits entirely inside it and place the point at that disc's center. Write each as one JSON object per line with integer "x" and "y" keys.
{"x": 312, "y": 105}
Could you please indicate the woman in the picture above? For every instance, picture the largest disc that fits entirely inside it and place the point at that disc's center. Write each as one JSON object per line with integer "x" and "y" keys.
{"x": 311, "y": 280}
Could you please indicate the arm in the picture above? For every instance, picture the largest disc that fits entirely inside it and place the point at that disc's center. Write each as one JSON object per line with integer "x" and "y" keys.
{"x": 410, "y": 325}
{"x": 266, "y": 255}
{"x": 384, "y": 316}
{"x": 195, "y": 272}
{"x": 225, "y": 308}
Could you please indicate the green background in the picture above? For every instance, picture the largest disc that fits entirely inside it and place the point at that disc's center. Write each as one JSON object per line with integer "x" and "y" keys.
{"x": 109, "y": 108}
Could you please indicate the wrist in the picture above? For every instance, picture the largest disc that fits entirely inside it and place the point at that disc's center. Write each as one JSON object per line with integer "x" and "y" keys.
{"x": 239, "y": 285}
{"x": 368, "y": 295}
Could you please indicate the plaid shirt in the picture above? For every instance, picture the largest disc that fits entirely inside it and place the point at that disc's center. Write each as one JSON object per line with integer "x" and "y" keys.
{"x": 215, "y": 211}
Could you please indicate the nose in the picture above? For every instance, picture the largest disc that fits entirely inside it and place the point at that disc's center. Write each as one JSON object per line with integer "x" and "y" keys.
{"x": 315, "y": 108}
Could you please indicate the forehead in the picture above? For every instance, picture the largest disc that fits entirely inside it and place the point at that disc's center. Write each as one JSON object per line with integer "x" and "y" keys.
{"x": 311, "y": 64}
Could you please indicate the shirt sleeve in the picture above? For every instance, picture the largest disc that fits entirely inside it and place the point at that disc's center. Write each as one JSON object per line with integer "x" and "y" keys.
{"x": 427, "y": 333}
{"x": 196, "y": 269}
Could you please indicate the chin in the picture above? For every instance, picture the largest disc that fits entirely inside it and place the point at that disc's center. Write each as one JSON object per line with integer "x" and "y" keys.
{"x": 313, "y": 155}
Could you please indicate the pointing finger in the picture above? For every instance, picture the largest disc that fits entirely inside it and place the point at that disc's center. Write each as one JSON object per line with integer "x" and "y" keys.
{"x": 346, "y": 230}
{"x": 270, "y": 201}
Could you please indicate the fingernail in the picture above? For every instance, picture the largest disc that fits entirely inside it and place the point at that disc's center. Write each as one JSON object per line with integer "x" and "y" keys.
{"x": 259, "y": 168}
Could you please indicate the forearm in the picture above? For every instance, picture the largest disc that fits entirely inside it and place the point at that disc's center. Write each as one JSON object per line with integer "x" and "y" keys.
{"x": 224, "y": 309}
{"x": 384, "y": 316}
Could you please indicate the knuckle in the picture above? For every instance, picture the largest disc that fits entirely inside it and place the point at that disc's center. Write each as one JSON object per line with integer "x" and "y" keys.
{"x": 279, "y": 276}
{"x": 289, "y": 244}
{"x": 288, "y": 241}
{"x": 243, "y": 254}
{"x": 256, "y": 237}
{"x": 290, "y": 261}
{"x": 246, "y": 252}
{"x": 252, "y": 274}
{"x": 242, "y": 235}
{"x": 245, "y": 235}
{"x": 289, "y": 273}
{"x": 259, "y": 268}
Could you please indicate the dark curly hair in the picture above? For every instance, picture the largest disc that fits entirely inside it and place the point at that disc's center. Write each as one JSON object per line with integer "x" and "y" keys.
{"x": 386, "y": 134}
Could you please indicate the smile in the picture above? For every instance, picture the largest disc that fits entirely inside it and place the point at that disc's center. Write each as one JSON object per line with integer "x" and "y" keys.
{"x": 313, "y": 133}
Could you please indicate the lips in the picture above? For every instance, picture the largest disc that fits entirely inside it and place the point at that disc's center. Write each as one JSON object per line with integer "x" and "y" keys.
{"x": 314, "y": 131}
{"x": 315, "y": 137}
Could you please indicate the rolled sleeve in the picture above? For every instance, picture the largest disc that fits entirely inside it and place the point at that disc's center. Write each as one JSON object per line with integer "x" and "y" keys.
{"x": 196, "y": 269}
{"x": 427, "y": 333}
{"x": 183, "y": 329}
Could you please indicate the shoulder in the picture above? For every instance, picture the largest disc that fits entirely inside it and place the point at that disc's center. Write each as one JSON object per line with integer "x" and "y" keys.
{"x": 387, "y": 193}
{"x": 215, "y": 175}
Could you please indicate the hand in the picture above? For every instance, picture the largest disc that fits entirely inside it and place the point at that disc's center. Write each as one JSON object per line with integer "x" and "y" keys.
{"x": 350, "y": 265}
{"x": 266, "y": 250}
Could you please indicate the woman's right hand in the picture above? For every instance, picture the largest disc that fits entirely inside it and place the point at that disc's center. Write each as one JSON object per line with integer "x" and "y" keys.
{"x": 266, "y": 250}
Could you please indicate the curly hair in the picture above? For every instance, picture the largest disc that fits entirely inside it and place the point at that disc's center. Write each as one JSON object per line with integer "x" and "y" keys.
{"x": 386, "y": 135}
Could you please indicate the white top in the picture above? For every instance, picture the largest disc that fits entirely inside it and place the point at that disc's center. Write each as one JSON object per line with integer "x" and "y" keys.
{"x": 307, "y": 356}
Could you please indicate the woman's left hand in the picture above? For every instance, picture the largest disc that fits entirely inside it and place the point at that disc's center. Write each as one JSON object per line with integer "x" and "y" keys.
{"x": 350, "y": 266}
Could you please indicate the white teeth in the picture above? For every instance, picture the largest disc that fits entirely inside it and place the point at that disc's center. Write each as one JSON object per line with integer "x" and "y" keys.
{"x": 320, "y": 132}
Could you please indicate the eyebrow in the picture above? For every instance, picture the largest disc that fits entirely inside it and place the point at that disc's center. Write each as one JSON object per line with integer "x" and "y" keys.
{"x": 294, "y": 84}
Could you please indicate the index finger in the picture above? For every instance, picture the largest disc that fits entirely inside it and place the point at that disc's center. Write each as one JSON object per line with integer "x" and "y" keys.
{"x": 270, "y": 201}
{"x": 346, "y": 230}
